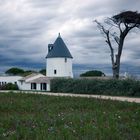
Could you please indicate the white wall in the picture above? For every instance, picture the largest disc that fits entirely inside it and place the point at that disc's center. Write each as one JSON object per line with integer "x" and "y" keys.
{"x": 24, "y": 86}
{"x": 48, "y": 87}
{"x": 27, "y": 86}
{"x": 64, "y": 69}
{"x": 9, "y": 79}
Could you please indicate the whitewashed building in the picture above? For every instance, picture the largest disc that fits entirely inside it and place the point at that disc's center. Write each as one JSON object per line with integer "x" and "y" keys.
{"x": 9, "y": 79}
{"x": 59, "y": 60}
{"x": 58, "y": 64}
{"x": 26, "y": 83}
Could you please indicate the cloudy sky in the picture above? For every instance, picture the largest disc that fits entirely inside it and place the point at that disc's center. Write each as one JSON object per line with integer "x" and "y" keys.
{"x": 28, "y": 26}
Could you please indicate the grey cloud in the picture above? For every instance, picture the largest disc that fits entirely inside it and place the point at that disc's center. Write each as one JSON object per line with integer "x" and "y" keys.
{"x": 42, "y": 3}
{"x": 26, "y": 27}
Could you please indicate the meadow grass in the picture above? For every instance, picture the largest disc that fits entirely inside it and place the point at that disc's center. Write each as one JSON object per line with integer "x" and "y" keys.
{"x": 42, "y": 117}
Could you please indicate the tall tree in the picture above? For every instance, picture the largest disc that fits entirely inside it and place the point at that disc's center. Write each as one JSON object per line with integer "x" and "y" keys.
{"x": 115, "y": 30}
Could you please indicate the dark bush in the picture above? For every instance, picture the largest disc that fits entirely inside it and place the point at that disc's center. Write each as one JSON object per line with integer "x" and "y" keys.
{"x": 92, "y": 73}
{"x": 96, "y": 86}
{"x": 9, "y": 86}
{"x": 15, "y": 71}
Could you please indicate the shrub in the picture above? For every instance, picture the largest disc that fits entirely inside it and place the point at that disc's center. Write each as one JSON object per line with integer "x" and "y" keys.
{"x": 96, "y": 86}
{"x": 15, "y": 71}
{"x": 9, "y": 86}
{"x": 92, "y": 73}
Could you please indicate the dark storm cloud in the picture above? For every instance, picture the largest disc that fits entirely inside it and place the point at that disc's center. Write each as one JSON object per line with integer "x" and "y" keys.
{"x": 27, "y": 26}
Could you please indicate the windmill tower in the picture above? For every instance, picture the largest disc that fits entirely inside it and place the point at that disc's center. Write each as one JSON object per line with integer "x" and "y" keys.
{"x": 59, "y": 60}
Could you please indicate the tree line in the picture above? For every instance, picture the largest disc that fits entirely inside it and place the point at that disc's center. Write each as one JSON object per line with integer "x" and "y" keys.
{"x": 21, "y": 72}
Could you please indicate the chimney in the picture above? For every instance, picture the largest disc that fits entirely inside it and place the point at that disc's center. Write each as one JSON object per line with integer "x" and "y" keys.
{"x": 59, "y": 35}
{"x": 50, "y": 47}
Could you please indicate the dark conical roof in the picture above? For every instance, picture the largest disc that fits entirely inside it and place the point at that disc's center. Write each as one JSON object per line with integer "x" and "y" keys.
{"x": 58, "y": 49}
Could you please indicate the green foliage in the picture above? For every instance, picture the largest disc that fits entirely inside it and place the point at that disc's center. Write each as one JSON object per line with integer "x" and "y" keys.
{"x": 42, "y": 117}
{"x": 28, "y": 72}
{"x": 21, "y": 72}
{"x": 18, "y": 71}
{"x": 9, "y": 86}
{"x": 43, "y": 71}
{"x": 15, "y": 71}
{"x": 103, "y": 87}
{"x": 92, "y": 73}
{"x": 128, "y": 17}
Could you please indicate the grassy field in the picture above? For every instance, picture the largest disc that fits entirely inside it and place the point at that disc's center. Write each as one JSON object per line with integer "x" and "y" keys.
{"x": 41, "y": 117}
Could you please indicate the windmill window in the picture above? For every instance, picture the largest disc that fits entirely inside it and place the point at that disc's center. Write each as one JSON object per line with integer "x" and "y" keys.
{"x": 55, "y": 71}
{"x": 65, "y": 60}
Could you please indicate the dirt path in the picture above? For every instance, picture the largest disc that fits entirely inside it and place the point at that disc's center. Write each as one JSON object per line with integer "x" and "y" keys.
{"x": 129, "y": 99}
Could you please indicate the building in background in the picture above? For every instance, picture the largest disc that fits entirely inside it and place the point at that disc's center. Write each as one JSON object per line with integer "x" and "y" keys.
{"x": 9, "y": 79}
{"x": 58, "y": 60}
{"x": 58, "y": 64}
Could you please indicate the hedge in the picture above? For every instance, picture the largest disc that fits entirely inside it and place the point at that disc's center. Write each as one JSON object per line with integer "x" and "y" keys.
{"x": 9, "y": 86}
{"x": 102, "y": 87}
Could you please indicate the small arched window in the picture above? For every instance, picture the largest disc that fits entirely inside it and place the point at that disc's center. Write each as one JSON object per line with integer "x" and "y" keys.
{"x": 55, "y": 71}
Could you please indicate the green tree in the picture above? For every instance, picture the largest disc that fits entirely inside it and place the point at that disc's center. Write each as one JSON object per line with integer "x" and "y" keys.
{"x": 92, "y": 73}
{"x": 43, "y": 71}
{"x": 18, "y": 71}
{"x": 15, "y": 71}
{"x": 28, "y": 72}
{"x": 115, "y": 29}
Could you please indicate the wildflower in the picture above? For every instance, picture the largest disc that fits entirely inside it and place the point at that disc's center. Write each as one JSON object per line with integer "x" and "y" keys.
{"x": 74, "y": 131}
{"x": 4, "y": 134}
{"x": 66, "y": 126}
{"x": 51, "y": 129}
{"x": 33, "y": 126}
{"x": 119, "y": 117}
{"x": 62, "y": 113}
{"x": 9, "y": 133}
{"x": 62, "y": 119}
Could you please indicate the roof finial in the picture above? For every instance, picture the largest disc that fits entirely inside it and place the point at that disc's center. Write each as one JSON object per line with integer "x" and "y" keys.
{"x": 59, "y": 35}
